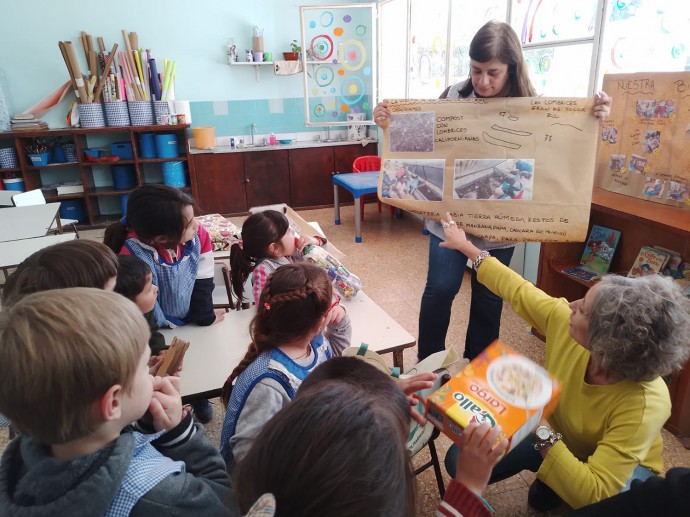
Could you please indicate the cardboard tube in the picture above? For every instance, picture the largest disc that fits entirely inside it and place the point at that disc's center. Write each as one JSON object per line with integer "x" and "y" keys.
{"x": 78, "y": 79}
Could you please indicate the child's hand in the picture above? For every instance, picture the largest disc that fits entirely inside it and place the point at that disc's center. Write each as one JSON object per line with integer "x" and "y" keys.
{"x": 306, "y": 240}
{"x": 155, "y": 362}
{"x": 336, "y": 315}
{"x": 220, "y": 316}
{"x": 410, "y": 387}
{"x": 478, "y": 455}
{"x": 166, "y": 403}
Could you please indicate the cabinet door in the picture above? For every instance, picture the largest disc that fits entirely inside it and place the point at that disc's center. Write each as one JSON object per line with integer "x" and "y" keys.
{"x": 220, "y": 186}
{"x": 311, "y": 171}
{"x": 267, "y": 177}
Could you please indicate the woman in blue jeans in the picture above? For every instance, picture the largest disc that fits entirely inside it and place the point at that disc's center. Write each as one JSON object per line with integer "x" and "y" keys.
{"x": 497, "y": 69}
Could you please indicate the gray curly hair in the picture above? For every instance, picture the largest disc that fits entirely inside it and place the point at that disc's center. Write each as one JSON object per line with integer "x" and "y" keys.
{"x": 639, "y": 328}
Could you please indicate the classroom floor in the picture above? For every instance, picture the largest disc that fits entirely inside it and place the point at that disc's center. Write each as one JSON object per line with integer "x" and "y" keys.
{"x": 392, "y": 263}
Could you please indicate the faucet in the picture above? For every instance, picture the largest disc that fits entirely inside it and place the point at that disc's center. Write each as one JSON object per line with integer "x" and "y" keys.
{"x": 253, "y": 130}
{"x": 328, "y": 133}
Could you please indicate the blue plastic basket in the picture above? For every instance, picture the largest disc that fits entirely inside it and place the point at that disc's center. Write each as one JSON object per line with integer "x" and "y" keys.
{"x": 73, "y": 209}
{"x": 147, "y": 146}
{"x": 166, "y": 145}
{"x": 124, "y": 176}
{"x": 174, "y": 174}
{"x": 123, "y": 203}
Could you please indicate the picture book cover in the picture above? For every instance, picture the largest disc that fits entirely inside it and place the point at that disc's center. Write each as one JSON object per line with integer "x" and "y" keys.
{"x": 672, "y": 267}
{"x": 598, "y": 253}
{"x": 649, "y": 261}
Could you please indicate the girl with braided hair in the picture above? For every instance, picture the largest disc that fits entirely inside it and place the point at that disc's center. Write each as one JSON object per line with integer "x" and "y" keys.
{"x": 287, "y": 344}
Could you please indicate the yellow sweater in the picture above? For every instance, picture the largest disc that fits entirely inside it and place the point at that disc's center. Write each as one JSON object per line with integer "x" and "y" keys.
{"x": 607, "y": 430}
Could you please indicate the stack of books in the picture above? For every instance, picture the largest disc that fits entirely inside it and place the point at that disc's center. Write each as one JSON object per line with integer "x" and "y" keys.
{"x": 27, "y": 122}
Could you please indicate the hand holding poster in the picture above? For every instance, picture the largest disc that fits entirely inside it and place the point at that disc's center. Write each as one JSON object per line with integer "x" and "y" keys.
{"x": 507, "y": 169}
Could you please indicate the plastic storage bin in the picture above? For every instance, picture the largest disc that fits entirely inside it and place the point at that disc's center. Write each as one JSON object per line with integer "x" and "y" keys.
{"x": 174, "y": 174}
{"x": 39, "y": 159}
{"x": 166, "y": 145}
{"x": 14, "y": 184}
{"x": 123, "y": 203}
{"x": 122, "y": 149}
{"x": 147, "y": 146}
{"x": 73, "y": 209}
{"x": 70, "y": 152}
{"x": 124, "y": 176}
{"x": 91, "y": 114}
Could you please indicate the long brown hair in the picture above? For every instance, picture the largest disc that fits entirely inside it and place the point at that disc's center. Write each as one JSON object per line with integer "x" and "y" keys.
{"x": 292, "y": 303}
{"x": 259, "y": 231}
{"x": 497, "y": 40}
{"x": 152, "y": 211}
{"x": 338, "y": 449}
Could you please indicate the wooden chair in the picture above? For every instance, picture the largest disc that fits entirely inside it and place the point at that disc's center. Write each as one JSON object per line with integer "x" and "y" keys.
{"x": 222, "y": 293}
{"x": 35, "y": 197}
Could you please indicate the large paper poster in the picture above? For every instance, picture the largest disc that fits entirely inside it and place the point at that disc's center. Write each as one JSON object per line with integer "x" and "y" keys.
{"x": 644, "y": 144}
{"x": 508, "y": 169}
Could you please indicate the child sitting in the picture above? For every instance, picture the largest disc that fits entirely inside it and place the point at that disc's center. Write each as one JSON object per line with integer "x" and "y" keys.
{"x": 268, "y": 242}
{"x": 135, "y": 282}
{"x": 73, "y": 366}
{"x": 287, "y": 343}
{"x": 79, "y": 263}
{"x": 160, "y": 229}
{"x": 339, "y": 450}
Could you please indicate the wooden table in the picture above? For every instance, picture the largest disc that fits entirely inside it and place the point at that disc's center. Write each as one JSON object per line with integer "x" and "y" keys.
{"x": 359, "y": 184}
{"x": 214, "y": 351}
{"x": 26, "y": 222}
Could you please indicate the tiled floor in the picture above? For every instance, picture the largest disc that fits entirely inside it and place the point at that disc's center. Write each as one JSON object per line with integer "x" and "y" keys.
{"x": 392, "y": 263}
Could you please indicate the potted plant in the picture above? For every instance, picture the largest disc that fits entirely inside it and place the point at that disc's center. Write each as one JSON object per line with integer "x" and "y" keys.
{"x": 295, "y": 49}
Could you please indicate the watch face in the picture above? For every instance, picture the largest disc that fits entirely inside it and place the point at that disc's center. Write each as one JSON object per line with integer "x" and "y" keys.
{"x": 543, "y": 433}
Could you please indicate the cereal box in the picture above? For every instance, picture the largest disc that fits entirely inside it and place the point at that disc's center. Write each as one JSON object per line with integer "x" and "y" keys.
{"x": 500, "y": 387}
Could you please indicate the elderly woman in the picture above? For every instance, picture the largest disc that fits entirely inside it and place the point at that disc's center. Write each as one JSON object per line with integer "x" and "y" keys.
{"x": 610, "y": 350}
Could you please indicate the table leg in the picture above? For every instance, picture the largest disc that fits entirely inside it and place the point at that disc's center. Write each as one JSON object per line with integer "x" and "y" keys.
{"x": 358, "y": 220}
{"x": 336, "y": 204}
{"x": 398, "y": 359}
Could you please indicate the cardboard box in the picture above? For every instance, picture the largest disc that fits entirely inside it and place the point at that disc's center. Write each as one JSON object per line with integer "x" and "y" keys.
{"x": 500, "y": 387}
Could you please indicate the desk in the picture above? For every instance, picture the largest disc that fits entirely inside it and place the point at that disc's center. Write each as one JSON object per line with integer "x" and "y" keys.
{"x": 359, "y": 184}
{"x": 13, "y": 253}
{"x": 214, "y": 351}
{"x": 26, "y": 222}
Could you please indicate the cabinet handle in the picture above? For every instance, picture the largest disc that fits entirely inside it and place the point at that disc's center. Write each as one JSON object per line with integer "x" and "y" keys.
{"x": 247, "y": 180}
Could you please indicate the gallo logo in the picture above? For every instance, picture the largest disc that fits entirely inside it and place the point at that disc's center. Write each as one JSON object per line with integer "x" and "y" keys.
{"x": 479, "y": 414}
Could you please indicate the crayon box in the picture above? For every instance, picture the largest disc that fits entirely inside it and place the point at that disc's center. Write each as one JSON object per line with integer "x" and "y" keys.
{"x": 500, "y": 387}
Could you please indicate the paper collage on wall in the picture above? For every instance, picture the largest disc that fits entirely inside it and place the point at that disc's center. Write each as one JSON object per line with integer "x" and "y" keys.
{"x": 340, "y": 62}
{"x": 509, "y": 169}
{"x": 643, "y": 149}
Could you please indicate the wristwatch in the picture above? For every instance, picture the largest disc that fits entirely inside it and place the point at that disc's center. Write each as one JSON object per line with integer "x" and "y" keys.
{"x": 477, "y": 261}
{"x": 545, "y": 437}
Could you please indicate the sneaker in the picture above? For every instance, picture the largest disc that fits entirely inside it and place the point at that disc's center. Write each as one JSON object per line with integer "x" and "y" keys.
{"x": 542, "y": 498}
{"x": 203, "y": 411}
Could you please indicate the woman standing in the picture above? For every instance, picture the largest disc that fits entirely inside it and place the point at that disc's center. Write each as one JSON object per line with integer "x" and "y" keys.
{"x": 497, "y": 69}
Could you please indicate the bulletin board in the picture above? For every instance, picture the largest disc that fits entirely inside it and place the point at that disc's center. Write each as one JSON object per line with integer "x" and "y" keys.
{"x": 643, "y": 149}
{"x": 507, "y": 169}
{"x": 339, "y": 52}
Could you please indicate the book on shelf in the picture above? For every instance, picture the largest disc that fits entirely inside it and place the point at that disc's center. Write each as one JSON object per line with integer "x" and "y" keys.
{"x": 683, "y": 278}
{"x": 596, "y": 258}
{"x": 69, "y": 188}
{"x": 648, "y": 262}
{"x": 672, "y": 267}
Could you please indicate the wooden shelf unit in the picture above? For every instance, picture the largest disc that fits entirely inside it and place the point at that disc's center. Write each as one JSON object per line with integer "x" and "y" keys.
{"x": 641, "y": 223}
{"x": 83, "y": 169}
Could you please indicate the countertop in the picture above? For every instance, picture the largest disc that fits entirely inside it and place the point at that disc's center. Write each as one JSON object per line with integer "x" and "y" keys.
{"x": 301, "y": 144}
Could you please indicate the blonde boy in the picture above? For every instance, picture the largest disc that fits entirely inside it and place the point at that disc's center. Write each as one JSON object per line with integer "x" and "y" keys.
{"x": 74, "y": 374}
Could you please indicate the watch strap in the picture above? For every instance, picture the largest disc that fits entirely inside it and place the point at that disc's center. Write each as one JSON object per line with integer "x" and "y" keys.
{"x": 477, "y": 261}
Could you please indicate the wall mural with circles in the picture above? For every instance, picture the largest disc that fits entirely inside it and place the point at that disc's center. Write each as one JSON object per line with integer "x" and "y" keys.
{"x": 340, "y": 50}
